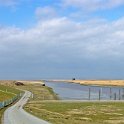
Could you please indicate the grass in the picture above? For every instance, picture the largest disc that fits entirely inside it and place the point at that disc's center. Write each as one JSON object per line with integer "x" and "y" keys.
{"x": 5, "y": 96}
{"x": 78, "y": 112}
{"x": 6, "y": 92}
{"x": 9, "y": 89}
{"x": 44, "y": 106}
{"x": 1, "y": 113}
{"x": 40, "y": 92}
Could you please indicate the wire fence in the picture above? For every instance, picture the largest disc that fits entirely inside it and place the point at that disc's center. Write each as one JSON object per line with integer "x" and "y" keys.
{"x": 10, "y": 101}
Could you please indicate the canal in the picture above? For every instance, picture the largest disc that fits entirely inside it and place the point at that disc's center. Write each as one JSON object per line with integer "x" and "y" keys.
{"x": 72, "y": 91}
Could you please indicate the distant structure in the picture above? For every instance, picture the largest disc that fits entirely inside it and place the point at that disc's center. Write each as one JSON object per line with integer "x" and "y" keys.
{"x": 19, "y": 83}
{"x": 73, "y": 79}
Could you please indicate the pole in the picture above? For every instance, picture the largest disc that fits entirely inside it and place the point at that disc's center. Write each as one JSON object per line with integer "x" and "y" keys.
{"x": 110, "y": 93}
{"x": 89, "y": 93}
{"x": 114, "y": 96}
{"x": 99, "y": 94}
{"x": 119, "y": 94}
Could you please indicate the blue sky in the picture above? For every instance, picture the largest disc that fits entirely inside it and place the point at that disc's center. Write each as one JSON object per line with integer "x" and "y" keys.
{"x": 61, "y": 39}
{"x": 23, "y": 13}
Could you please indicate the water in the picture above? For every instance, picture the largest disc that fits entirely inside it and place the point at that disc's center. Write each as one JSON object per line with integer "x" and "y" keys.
{"x": 71, "y": 91}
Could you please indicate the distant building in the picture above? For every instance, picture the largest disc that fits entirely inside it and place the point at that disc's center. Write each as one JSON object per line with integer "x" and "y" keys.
{"x": 19, "y": 83}
{"x": 73, "y": 79}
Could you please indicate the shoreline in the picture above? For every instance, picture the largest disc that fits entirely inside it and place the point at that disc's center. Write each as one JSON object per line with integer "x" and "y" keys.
{"x": 119, "y": 83}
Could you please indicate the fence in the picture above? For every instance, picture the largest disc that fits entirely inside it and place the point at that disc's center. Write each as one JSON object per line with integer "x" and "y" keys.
{"x": 10, "y": 101}
{"x": 103, "y": 93}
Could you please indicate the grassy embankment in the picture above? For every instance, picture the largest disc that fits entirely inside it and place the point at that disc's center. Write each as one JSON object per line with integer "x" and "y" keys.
{"x": 44, "y": 105}
{"x": 40, "y": 92}
{"x": 6, "y": 92}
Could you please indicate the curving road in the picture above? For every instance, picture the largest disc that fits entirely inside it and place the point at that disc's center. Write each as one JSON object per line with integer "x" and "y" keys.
{"x": 16, "y": 114}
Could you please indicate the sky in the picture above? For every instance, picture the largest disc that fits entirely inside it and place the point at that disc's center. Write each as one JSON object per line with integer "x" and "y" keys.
{"x": 61, "y": 39}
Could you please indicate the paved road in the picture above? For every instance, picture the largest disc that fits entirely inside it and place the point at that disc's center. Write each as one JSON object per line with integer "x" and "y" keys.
{"x": 16, "y": 114}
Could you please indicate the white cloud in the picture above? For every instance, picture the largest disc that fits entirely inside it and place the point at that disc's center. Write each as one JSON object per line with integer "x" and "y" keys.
{"x": 63, "y": 45}
{"x": 59, "y": 42}
{"x": 94, "y": 4}
{"x": 65, "y": 39}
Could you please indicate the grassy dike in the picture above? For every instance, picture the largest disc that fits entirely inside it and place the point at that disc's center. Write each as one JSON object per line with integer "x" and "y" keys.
{"x": 6, "y": 92}
{"x": 45, "y": 105}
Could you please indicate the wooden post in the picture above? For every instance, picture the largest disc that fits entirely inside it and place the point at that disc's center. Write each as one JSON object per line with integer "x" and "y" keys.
{"x": 99, "y": 94}
{"x": 119, "y": 94}
{"x": 89, "y": 93}
{"x": 101, "y": 90}
{"x": 114, "y": 96}
{"x": 110, "y": 93}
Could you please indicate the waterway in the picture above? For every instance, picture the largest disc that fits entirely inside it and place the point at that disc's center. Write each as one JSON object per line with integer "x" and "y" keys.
{"x": 72, "y": 91}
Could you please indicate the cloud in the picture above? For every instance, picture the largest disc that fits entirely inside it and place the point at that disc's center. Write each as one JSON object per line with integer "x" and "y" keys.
{"x": 61, "y": 44}
{"x": 93, "y": 38}
{"x": 94, "y": 4}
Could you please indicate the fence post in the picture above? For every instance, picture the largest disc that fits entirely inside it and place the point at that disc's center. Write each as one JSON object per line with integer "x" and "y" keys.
{"x": 119, "y": 94}
{"x": 89, "y": 93}
{"x": 99, "y": 94}
{"x": 110, "y": 93}
{"x": 114, "y": 96}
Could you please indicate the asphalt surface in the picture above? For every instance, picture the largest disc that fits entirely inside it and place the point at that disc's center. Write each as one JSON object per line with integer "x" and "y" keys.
{"x": 16, "y": 114}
